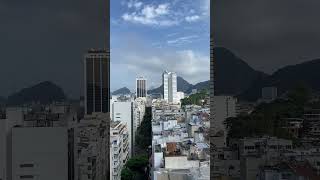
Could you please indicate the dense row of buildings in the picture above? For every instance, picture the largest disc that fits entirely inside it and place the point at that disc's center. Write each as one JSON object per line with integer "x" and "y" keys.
{"x": 180, "y": 142}
{"x": 265, "y": 157}
{"x": 62, "y": 140}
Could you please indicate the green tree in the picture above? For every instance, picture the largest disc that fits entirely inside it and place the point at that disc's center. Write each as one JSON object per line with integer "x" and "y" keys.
{"x": 135, "y": 168}
{"x": 143, "y": 136}
{"x": 195, "y": 98}
{"x": 127, "y": 174}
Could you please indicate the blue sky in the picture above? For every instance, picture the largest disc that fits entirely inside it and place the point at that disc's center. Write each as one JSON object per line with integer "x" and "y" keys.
{"x": 150, "y": 36}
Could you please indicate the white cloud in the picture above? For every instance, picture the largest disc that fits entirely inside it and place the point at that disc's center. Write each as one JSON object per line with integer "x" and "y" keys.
{"x": 182, "y": 40}
{"x": 172, "y": 34}
{"x": 165, "y": 14}
{"x": 192, "y": 66}
{"x": 151, "y": 15}
{"x": 192, "y": 18}
{"x": 134, "y": 4}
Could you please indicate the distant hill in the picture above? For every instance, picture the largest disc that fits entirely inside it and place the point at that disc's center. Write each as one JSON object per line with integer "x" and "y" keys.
{"x": 44, "y": 92}
{"x": 286, "y": 78}
{"x": 200, "y": 86}
{"x": 183, "y": 86}
{"x": 157, "y": 90}
{"x": 121, "y": 91}
{"x": 233, "y": 75}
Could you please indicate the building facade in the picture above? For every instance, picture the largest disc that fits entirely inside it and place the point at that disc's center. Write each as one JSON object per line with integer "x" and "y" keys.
{"x": 122, "y": 111}
{"x": 91, "y": 147}
{"x": 169, "y": 81}
{"x": 119, "y": 153}
{"x": 40, "y": 153}
{"x": 141, "y": 87}
{"x": 97, "y": 81}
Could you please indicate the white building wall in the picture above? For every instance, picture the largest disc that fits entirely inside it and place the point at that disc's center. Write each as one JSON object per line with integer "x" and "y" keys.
{"x": 169, "y": 80}
{"x": 180, "y": 162}
{"x": 165, "y": 82}
{"x": 158, "y": 158}
{"x": 180, "y": 95}
{"x": 41, "y": 152}
{"x": 122, "y": 111}
{"x": 224, "y": 107}
{"x": 117, "y": 158}
{"x": 174, "y": 96}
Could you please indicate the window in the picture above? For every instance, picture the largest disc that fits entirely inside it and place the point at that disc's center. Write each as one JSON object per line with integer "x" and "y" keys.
{"x": 26, "y": 165}
{"x": 26, "y": 177}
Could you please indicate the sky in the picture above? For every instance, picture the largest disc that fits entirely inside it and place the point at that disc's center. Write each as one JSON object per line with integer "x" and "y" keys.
{"x": 268, "y": 34}
{"x": 44, "y": 40}
{"x": 150, "y": 36}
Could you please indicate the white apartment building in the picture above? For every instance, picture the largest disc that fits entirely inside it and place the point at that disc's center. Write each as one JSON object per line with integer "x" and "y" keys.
{"x": 180, "y": 95}
{"x": 40, "y": 153}
{"x": 139, "y": 106}
{"x": 169, "y": 80}
{"x": 119, "y": 154}
{"x": 123, "y": 111}
{"x": 223, "y": 108}
{"x": 35, "y": 145}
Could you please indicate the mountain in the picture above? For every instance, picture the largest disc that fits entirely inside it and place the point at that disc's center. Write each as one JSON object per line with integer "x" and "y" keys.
{"x": 44, "y": 92}
{"x": 232, "y": 75}
{"x": 201, "y": 86}
{"x": 121, "y": 91}
{"x": 157, "y": 90}
{"x": 286, "y": 78}
{"x": 182, "y": 85}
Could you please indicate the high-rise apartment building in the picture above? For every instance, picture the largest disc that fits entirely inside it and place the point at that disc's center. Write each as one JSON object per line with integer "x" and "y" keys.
{"x": 169, "y": 81}
{"x": 39, "y": 153}
{"x": 37, "y": 142}
{"x": 119, "y": 153}
{"x": 91, "y": 147}
{"x": 139, "y": 106}
{"x": 224, "y": 107}
{"x": 123, "y": 112}
{"x": 141, "y": 87}
{"x": 97, "y": 81}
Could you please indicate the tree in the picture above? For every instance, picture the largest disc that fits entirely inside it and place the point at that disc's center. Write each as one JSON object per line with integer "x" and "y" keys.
{"x": 266, "y": 119}
{"x": 135, "y": 168}
{"x": 299, "y": 95}
{"x": 143, "y": 136}
{"x": 127, "y": 174}
{"x": 195, "y": 98}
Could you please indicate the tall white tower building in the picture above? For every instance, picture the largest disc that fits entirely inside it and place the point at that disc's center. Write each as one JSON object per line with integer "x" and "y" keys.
{"x": 169, "y": 80}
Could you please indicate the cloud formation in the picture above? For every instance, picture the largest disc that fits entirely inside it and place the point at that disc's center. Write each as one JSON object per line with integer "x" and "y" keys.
{"x": 182, "y": 40}
{"x": 150, "y": 15}
{"x": 164, "y": 14}
{"x": 191, "y": 65}
{"x": 192, "y": 18}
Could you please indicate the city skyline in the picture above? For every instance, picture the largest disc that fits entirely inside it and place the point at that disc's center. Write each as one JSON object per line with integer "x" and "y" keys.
{"x": 158, "y": 36}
